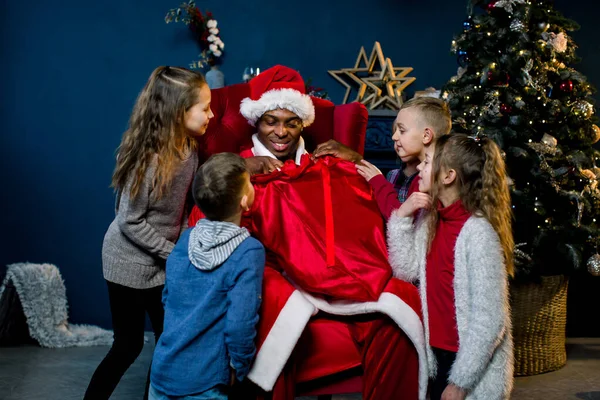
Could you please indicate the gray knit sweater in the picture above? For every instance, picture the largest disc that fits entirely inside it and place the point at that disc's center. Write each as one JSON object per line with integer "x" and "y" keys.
{"x": 484, "y": 361}
{"x": 145, "y": 229}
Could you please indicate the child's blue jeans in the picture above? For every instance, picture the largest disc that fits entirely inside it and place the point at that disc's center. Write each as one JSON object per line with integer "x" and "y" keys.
{"x": 215, "y": 393}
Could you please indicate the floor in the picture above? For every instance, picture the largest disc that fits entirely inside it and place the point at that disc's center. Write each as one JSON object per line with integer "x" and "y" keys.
{"x": 34, "y": 373}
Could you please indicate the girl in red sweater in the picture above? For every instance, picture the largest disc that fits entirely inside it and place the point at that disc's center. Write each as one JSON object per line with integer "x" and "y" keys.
{"x": 461, "y": 252}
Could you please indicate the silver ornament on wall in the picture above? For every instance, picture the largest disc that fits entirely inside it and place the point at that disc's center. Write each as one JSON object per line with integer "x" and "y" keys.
{"x": 593, "y": 265}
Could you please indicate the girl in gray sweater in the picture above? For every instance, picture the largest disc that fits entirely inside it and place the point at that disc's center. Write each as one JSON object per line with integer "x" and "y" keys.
{"x": 461, "y": 254}
{"x": 156, "y": 163}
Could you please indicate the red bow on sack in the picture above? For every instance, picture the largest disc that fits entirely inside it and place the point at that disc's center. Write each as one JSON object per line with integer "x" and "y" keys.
{"x": 320, "y": 224}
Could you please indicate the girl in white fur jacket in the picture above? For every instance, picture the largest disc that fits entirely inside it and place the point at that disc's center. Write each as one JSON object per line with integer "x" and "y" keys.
{"x": 460, "y": 252}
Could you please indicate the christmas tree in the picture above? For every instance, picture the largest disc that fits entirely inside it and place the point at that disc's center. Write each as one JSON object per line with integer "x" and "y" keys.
{"x": 516, "y": 84}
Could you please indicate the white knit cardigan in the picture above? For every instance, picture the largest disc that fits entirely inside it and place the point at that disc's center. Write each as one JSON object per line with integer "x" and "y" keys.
{"x": 484, "y": 361}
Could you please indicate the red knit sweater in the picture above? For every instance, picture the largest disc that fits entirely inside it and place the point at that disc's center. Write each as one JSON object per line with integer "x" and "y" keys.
{"x": 440, "y": 277}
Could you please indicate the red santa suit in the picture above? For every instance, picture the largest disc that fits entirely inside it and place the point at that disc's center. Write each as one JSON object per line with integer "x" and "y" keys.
{"x": 342, "y": 322}
{"x": 329, "y": 301}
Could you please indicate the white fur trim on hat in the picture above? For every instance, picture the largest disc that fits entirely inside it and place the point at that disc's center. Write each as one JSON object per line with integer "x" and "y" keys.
{"x": 288, "y": 99}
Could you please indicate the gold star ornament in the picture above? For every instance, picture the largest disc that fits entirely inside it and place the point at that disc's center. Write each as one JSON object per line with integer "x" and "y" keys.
{"x": 378, "y": 83}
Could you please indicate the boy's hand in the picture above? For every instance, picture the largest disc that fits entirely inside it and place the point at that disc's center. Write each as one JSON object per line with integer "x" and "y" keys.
{"x": 262, "y": 164}
{"x": 453, "y": 392}
{"x": 367, "y": 170}
{"x": 415, "y": 201}
{"x": 336, "y": 149}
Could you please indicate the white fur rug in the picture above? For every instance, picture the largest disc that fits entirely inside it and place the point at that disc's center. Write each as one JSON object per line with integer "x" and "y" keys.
{"x": 43, "y": 297}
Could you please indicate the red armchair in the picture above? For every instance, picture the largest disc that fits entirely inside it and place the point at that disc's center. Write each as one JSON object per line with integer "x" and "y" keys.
{"x": 229, "y": 131}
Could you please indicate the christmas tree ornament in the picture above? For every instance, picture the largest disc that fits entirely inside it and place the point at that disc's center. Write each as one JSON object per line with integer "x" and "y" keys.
{"x": 521, "y": 258}
{"x": 543, "y": 26}
{"x": 517, "y": 25}
{"x": 498, "y": 78}
{"x": 527, "y": 76}
{"x": 588, "y": 174}
{"x": 549, "y": 140}
{"x": 468, "y": 25}
{"x": 508, "y": 4}
{"x": 593, "y": 265}
{"x": 566, "y": 86}
{"x": 583, "y": 108}
{"x": 491, "y": 106}
{"x": 543, "y": 148}
{"x": 505, "y": 109}
{"x": 595, "y": 133}
{"x": 558, "y": 172}
{"x": 558, "y": 42}
{"x": 491, "y": 5}
{"x": 580, "y": 207}
{"x": 463, "y": 58}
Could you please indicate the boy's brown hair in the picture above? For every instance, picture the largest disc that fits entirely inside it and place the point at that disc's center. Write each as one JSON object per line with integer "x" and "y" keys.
{"x": 435, "y": 113}
{"x": 219, "y": 184}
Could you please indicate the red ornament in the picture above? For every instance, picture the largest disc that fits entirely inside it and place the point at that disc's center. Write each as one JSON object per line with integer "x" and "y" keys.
{"x": 505, "y": 109}
{"x": 498, "y": 78}
{"x": 566, "y": 86}
{"x": 491, "y": 5}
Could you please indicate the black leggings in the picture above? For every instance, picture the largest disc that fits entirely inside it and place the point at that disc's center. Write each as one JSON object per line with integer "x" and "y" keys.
{"x": 128, "y": 307}
{"x": 445, "y": 359}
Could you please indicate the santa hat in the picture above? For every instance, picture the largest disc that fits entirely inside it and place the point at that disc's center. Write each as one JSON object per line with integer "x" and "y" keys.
{"x": 278, "y": 87}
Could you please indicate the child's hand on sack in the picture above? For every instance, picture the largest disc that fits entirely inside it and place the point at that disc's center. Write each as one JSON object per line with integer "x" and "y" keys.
{"x": 367, "y": 170}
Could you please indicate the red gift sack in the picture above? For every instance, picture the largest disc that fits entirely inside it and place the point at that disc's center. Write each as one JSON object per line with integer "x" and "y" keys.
{"x": 320, "y": 224}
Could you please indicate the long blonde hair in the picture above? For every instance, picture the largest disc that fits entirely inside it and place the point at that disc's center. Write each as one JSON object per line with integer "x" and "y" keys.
{"x": 482, "y": 184}
{"x": 156, "y": 127}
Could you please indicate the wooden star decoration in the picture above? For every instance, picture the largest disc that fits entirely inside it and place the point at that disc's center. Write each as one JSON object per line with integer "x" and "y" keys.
{"x": 342, "y": 76}
{"x": 394, "y": 81}
{"x": 376, "y": 87}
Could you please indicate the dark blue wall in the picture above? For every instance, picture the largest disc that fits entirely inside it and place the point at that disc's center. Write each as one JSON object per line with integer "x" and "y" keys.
{"x": 71, "y": 71}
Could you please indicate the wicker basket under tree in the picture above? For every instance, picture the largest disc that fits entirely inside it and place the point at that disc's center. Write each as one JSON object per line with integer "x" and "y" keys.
{"x": 539, "y": 317}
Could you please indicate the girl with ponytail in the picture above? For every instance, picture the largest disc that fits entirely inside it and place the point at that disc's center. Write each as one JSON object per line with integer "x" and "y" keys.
{"x": 460, "y": 251}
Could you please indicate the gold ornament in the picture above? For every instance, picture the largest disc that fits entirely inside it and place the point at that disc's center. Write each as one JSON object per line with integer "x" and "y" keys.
{"x": 586, "y": 173}
{"x": 549, "y": 140}
{"x": 377, "y": 87}
{"x": 595, "y": 133}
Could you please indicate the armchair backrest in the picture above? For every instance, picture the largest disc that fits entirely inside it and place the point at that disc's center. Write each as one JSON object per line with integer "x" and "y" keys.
{"x": 229, "y": 130}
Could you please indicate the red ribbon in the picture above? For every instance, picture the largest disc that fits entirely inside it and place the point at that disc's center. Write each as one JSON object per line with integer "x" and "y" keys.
{"x": 329, "y": 234}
